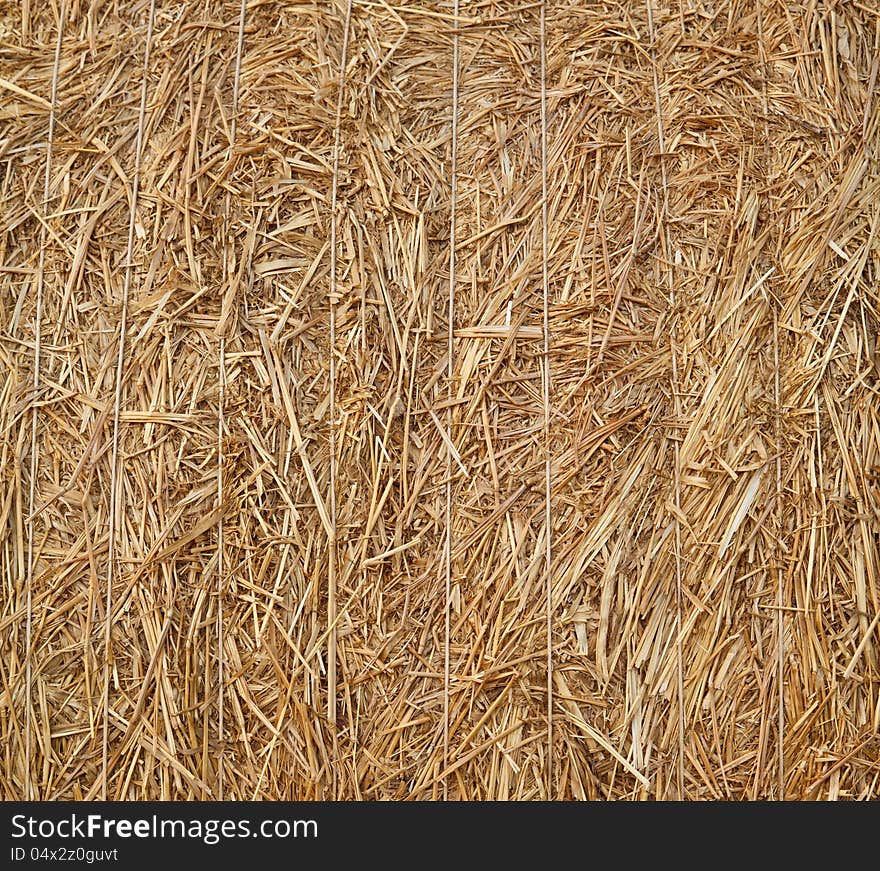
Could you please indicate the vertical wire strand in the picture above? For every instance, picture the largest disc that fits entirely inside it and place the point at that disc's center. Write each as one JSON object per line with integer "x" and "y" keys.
{"x": 679, "y": 653}
{"x": 35, "y": 388}
{"x": 221, "y": 423}
{"x": 334, "y": 299}
{"x": 117, "y": 401}
{"x": 545, "y": 383}
{"x": 777, "y": 399}
{"x": 450, "y": 374}
{"x": 780, "y": 623}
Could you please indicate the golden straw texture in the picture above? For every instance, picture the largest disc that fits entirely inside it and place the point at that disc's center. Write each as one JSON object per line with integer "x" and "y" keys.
{"x": 231, "y": 568}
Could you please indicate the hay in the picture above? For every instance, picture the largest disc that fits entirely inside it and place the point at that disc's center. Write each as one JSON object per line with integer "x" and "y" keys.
{"x": 293, "y": 489}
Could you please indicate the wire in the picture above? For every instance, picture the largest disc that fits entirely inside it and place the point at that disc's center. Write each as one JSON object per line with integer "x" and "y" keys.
{"x": 117, "y": 402}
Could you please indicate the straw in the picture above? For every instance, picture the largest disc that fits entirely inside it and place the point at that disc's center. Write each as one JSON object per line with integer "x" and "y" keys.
{"x": 422, "y": 401}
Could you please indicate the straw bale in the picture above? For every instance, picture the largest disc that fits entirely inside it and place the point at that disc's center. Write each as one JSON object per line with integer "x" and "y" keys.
{"x": 262, "y": 536}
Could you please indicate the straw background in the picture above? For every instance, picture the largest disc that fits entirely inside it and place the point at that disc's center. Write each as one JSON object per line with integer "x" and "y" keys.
{"x": 201, "y": 524}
